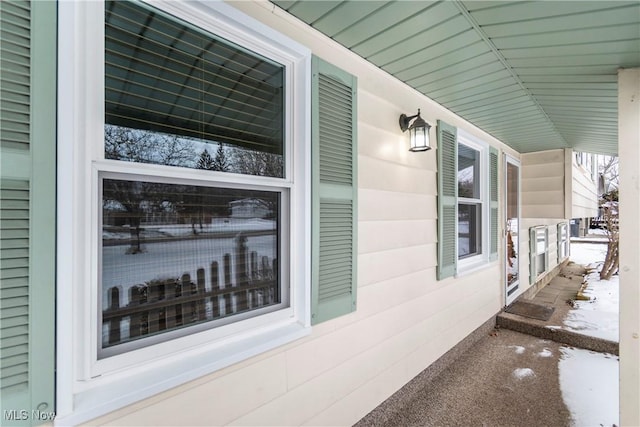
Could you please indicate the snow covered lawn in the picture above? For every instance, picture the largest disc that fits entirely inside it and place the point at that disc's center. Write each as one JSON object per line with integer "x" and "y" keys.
{"x": 588, "y": 254}
{"x": 589, "y": 385}
{"x": 599, "y": 316}
{"x": 589, "y": 380}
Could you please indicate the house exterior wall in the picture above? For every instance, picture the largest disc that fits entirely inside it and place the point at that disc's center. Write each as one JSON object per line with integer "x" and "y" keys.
{"x": 584, "y": 191}
{"x": 548, "y": 184}
{"x": 554, "y": 185}
{"x": 405, "y": 318}
{"x": 543, "y": 184}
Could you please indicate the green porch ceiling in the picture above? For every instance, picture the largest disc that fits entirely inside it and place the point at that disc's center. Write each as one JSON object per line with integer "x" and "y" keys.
{"x": 538, "y": 75}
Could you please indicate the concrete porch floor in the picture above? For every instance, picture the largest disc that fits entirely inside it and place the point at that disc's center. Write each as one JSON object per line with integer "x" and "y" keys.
{"x": 506, "y": 377}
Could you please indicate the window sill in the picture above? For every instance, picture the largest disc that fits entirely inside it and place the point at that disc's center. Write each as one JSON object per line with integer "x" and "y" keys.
{"x": 472, "y": 265}
{"x": 111, "y": 392}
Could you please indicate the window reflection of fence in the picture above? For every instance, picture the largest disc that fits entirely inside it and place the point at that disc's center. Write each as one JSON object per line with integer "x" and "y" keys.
{"x": 167, "y": 304}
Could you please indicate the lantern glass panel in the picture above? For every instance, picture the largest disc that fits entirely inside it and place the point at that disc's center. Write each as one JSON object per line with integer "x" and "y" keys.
{"x": 419, "y": 138}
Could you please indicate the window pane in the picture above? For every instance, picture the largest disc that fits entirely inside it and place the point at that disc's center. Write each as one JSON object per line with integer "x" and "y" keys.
{"x": 469, "y": 224}
{"x": 176, "y": 95}
{"x": 540, "y": 264}
{"x": 541, "y": 241}
{"x": 179, "y": 255}
{"x": 468, "y": 172}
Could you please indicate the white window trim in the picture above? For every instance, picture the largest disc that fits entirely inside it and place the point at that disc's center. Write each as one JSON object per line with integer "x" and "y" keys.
{"x": 87, "y": 388}
{"x": 473, "y": 263}
{"x": 563, "y": 248}
{"x": 545, "y": 231}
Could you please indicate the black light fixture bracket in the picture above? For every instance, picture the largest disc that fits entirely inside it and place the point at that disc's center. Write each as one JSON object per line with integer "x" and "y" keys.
{"x": 405, "y": 120}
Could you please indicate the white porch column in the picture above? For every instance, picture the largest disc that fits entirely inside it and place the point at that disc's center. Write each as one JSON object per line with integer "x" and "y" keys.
{"x": 629, "y": 152}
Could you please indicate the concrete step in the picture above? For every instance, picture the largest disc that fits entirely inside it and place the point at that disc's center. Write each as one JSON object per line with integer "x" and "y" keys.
{"x": 538, "y": 329}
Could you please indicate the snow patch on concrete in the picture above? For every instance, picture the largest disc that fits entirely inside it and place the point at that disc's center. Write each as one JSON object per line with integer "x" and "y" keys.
{"x": 545, "y": 353}
{"x": 522, "y": 373}
{"x": 518, "y": 348}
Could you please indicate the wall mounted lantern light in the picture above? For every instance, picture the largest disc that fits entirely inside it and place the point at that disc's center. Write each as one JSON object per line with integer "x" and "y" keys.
{"x": 418, "y": 131}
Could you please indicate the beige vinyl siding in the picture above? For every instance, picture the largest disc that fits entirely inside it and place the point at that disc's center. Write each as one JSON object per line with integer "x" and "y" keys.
{"x": 405, "y": 319}
{"x": 584, "y": 192}
{"x": 543, "y": 184}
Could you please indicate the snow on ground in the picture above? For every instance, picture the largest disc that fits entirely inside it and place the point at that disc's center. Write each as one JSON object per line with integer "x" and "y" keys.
{"x": 589, "y": 380}
{"x": 588, "y": 254}
{"x": 599, "y": 316}
{"x": 163, "y": 258}
{"x": 589, "y": 385}
{"x": 217, "y": 226}
{"x": 172, "y": 259}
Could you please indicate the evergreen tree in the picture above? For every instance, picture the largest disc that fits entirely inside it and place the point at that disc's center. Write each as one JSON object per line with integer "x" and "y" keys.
{"x": 221, "y": 161}
{"x": 205, "y": 161}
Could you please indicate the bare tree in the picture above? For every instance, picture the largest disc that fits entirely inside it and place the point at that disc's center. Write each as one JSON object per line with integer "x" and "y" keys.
{"x": 140, "y": 146}
{"x": 608, "y": 168}
{"x": 127, "y": 144}
{"x": 136, "y": 197}
{"x": 174, "y": 151}
{"x": 258, "y": 163}
{"x": 610, "y": 215}
{"x": 131, "y": 195}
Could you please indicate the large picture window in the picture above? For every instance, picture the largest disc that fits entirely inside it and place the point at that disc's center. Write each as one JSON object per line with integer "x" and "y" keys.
{"x": 184, "y": 180}
{"x": 210, "y": 248}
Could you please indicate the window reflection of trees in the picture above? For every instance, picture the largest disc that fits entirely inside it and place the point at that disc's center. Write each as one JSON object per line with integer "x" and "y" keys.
{"x": 142, "y": 146}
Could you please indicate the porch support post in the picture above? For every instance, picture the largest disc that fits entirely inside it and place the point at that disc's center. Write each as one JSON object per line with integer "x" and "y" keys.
{"x": 629, "y": 153}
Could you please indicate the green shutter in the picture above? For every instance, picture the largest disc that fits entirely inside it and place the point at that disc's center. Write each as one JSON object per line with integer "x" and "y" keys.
{"x": 334, "y": 190}
{"x": 493, "y": 190}
{"x": 15, "y": 48}
{"x": 532, "y": 255}
{"x": 27, "y": 209}
{"x": 447, "y": 154}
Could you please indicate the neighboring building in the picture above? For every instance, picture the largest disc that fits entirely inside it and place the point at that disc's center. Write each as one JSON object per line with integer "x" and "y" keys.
{"x": 382, "y": 259}
{"x": 249, "y": 208}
